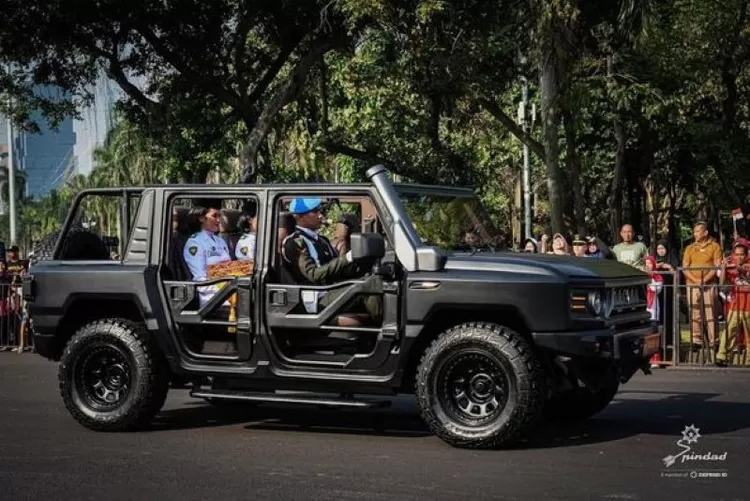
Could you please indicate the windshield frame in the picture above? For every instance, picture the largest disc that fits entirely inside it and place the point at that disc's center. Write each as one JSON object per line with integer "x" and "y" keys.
{"x": 445, "y": 192}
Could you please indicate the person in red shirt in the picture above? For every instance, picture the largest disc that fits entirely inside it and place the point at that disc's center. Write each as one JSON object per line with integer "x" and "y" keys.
{"x": 736, "y": 270}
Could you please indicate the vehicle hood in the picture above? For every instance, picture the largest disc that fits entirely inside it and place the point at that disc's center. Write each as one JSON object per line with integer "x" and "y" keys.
{"x": 570, "y": 267}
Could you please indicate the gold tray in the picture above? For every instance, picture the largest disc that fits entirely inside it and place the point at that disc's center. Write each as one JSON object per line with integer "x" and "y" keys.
{"x": 231, "y": 269}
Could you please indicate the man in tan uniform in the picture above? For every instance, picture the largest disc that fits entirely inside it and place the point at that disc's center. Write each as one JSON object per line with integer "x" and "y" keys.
{"x": 700, "y": 261}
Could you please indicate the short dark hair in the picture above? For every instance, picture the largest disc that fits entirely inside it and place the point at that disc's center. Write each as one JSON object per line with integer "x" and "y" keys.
{"x": 194, "y": 217}
{"x": 243, "y": 223}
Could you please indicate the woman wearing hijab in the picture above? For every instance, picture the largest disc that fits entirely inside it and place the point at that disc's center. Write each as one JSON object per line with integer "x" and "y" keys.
{"x": 666, "y": 266}
{"x": 560, "y": 245}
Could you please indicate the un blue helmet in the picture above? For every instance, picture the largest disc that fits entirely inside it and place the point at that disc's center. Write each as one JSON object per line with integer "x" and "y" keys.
{"x": 299, "y": 206}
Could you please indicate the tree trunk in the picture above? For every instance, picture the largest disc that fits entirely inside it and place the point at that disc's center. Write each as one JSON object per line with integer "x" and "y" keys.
{"x": 573, "y": 161}
{"x": 286, "y": 92}
{"x": 550, "y": 87}
{"x": 615, "y": 199}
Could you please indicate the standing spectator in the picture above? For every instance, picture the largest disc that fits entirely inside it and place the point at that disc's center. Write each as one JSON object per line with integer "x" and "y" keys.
{"x": 579, "y": 246}
{"x": 666, "y": 264}
{"x": 559, "y": 245}
{"x": 628, "y": 251}
{"x": 665, "y": 260}
{"x": 698, "y": 262}
{"x": 736, "y": 269}
{"x": 653, "y": 294}
{"x": 530, "y": 245}
{"x": 598, "y": 249}
{"x": 654, "y": 289}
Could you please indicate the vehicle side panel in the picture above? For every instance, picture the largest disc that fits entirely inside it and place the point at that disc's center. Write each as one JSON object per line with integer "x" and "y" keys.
{"x": 541, "y": 300}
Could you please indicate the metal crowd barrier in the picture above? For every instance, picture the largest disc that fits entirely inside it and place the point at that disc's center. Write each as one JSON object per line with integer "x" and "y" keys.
{"x": 695, "y": 319}
{"x": 14, "y": 332}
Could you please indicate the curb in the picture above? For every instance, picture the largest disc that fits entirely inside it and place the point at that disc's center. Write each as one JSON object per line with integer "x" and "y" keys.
{"x": 710, "y": 368}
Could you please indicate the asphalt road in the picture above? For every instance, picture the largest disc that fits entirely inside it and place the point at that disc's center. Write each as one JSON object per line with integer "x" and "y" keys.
{"x": 274, "y": 452}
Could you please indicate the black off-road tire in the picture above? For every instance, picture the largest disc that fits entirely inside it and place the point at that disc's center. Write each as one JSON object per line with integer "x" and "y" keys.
{"x": 580, "y": 404}
{"x": 146, "y": 372}
{"x": 79, "y": 243}
{"x": 517, "y": 377}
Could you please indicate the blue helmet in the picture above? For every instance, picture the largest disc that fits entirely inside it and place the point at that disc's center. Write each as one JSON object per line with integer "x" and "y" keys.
{"x": 300, "y": 206}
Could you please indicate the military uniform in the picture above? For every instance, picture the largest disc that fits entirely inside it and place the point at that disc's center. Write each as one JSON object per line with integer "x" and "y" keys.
{"x": 202, "y": 250}
{"x": 313, "y": 259}
{"x": 310, "y": 259}
{"x": 245, "y": 248}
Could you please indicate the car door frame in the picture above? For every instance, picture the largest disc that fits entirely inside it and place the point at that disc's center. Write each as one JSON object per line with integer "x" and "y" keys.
{"x": 285, "y": 365}
{"x": 247, "y": 322}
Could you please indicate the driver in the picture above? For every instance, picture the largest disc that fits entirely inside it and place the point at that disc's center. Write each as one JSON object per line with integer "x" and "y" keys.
{"x": 308, "y": 255}
{"x": 310, "y": 258}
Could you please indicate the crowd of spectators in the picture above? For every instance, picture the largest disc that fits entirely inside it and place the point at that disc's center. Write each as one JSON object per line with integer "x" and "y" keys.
{"x": 713, "y": 283}
{"x": 13, "y": 318}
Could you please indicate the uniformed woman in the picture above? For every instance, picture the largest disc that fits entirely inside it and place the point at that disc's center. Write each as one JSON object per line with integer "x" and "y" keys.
{"x": 205, "y": 248}
{"x": 245, "y": 248}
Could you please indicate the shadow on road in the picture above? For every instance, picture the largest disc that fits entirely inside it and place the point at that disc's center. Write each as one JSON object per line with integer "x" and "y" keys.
{"x": 624, "y": 418}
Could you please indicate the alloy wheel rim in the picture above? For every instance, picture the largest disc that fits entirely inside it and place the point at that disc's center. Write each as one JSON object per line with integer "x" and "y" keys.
{"x": 473, "y": 388}
{"x": 103, "y": 378}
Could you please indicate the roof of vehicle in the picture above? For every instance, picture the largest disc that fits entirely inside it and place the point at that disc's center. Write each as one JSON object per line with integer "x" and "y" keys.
{"x": 322, "y": 187}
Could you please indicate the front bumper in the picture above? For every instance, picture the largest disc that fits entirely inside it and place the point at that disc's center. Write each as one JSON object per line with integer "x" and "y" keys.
{"x": 625, "y": 346}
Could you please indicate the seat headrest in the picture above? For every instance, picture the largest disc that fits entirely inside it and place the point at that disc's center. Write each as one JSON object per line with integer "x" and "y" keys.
{"x": 229, "y": 219}
{"x": 180, "y": 216}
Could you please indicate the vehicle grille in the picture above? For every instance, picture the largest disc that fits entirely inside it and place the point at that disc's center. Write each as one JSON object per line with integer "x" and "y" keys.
{"x": 624, "y": 304}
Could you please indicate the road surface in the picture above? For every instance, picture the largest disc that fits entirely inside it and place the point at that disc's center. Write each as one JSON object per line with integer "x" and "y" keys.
{"x": 196, "y": 452}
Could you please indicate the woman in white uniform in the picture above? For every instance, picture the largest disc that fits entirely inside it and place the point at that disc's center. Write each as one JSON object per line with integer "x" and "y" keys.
{"x": 245, "y": 248}
{"x": 205, "y": 248}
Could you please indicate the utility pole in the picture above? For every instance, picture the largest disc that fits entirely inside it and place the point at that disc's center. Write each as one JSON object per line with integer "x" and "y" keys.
{"x": 527, "y": 123}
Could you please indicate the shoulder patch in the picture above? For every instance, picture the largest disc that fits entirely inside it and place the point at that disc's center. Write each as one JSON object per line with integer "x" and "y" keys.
{"x": 243, "y": 251}
{"x": 193, "y": 250}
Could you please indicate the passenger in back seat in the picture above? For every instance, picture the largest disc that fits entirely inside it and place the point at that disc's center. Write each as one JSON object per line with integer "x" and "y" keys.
{"x": 245, "y": 248}
{"x": 205, "y": 248}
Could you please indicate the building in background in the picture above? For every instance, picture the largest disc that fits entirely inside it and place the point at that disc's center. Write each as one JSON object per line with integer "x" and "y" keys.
{"x": 52, "y": 156}
{"x": 95, "y": 123}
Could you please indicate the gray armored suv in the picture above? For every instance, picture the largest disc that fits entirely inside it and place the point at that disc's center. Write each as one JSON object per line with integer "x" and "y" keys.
{"x": 491, "y": 343}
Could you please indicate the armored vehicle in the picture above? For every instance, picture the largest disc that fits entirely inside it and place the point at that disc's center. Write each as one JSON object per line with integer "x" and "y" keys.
{"x": 491, "y": 343}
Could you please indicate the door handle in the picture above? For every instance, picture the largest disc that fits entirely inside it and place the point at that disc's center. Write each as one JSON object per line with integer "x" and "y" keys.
{"x": 178, "y": 292}
{"x": 277, "y": 297}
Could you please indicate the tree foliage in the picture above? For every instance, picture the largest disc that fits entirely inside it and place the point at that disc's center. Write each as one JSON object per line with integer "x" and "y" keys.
{"x": 642, "y": 105}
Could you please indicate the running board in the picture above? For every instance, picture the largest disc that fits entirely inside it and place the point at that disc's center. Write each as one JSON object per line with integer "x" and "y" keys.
{"x": 291, "y": 398}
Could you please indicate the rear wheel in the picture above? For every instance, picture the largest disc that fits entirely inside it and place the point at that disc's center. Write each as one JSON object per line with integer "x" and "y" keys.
{"x": 480, "y": 386}
{"x": 112, "y": 376}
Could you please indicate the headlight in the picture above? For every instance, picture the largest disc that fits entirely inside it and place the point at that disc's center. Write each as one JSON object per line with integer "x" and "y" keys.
{"x": 589, "y": 302}
{"x": 595, "y": 303}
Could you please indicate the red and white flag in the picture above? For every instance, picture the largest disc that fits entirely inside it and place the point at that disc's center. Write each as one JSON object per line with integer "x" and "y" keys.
{"x": 737, "y": 215}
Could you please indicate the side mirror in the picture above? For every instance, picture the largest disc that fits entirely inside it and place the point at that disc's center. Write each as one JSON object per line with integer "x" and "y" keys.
{"x": 367, "y": 246}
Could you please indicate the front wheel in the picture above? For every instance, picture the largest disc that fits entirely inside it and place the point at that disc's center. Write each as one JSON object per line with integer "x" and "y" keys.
{"x": 480, "y": 386}
{"x": 112, "y": 376}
